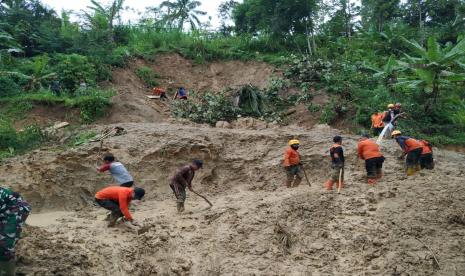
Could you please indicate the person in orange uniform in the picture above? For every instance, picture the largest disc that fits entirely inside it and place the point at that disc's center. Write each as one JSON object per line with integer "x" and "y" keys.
{"x": 369, "y": 151}
{"x": 426, "y": 158}
{"x": 336, "y": 152}
{"x": 117, "y": 199}
{"x": 157, "y": 91}
{"x": 412, "y": 148}
{"x": 292, "y": 164}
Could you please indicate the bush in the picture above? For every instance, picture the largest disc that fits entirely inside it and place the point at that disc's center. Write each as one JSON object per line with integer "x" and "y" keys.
{"x": 93, "y": 105}
{"x": 71, "y": 69}
{"x": 148, "y": 76}
{"x": 8, "y": 87}
{"x": 119, "y": 56}
{"x": 14, "y": 142}
{"x": 208, "y": 108}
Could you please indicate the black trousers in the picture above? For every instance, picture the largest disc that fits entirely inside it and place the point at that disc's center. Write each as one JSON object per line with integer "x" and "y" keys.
{"x": 413, "y": 158}
{"x": 374, "y": 166}
{"x": 127, "y": 184}
{"x": 110, "y": 205}
{"x": 427, "y": 161}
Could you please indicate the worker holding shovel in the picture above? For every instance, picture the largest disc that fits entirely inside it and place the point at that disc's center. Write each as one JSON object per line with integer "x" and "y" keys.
{"x": 182, "y": 180}
{"x": 336, "y": 153}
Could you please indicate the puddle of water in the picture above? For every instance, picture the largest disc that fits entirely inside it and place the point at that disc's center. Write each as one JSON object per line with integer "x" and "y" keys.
{"x": 46, "y": 219}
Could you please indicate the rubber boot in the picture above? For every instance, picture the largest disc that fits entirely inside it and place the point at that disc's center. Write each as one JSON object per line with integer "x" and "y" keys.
{"x": 371, "y": 181}
{"x": 410, "y": 171}
{"x": 180, "y": 207}
{"x": 329, "y": 184}
{"x": 297, "y": 182}
{"x": 8, "y": 268}
{"x": 288, "y": 183}
{"x": 418, "y": 167}
{"x": 112, "y": 220}
{"x": 379, "y": 175}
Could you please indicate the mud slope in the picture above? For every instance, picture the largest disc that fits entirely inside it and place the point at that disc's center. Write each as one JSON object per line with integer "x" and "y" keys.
{"x": 131, "y": 104}
{"x": 256, "y": 226}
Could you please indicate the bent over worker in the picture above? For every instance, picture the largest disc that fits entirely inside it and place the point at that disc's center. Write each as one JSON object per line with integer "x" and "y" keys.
{"x": 117, "y": 170}
{"x": 13, "y": 213}
{"x": 412, "y": 148}
{"x": 182, "y": 179}
{"x": 336, "y": 154}
{"x": 426, "y": 158}
{"x": 292, "y": 164}
{"x": 369, "y": 151}
{"x": 117, "y": 199}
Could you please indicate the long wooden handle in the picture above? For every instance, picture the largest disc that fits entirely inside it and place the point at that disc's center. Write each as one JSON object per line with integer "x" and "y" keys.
{"x": 208, "y": 201}
{"x": 340, "y": 181}
{"x": 306, "y": 177}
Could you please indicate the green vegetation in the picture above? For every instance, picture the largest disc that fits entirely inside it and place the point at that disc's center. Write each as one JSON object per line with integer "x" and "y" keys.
{"x": 364, "y": 55}
{"x": 148, "y": 76}
{"x": 13, "y": 142}
{"x": 251, "y": 102}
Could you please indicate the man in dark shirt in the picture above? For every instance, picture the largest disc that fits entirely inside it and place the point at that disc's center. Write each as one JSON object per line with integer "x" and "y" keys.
{"x": 337, "y": 163}
{"x": 182, "y": 179}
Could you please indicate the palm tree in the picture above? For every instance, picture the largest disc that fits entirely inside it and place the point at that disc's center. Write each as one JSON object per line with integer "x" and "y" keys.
{"x": 182, "y": 12}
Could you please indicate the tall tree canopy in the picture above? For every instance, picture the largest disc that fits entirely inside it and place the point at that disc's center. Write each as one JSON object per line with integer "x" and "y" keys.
{"x": 277, "y": 17}
{"x": 182, "y": 12}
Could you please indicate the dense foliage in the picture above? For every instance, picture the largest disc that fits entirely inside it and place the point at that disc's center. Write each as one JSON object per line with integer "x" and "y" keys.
{"x": 363, "y": 54}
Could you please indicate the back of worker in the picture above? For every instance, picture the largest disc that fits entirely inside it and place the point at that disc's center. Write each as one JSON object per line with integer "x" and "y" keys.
{"x": 412, "y": 148}
{"x": 369, "y": 151}
{"x": 426, "y": 158}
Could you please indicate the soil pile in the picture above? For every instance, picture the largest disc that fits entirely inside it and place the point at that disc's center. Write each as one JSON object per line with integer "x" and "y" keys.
{"x": 256, "y": 227}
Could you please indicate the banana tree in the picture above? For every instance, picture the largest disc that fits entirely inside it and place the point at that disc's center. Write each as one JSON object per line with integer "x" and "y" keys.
{"x": 39, "y": 74}
{"x": 388, "y": 73}
{"x": 434, "y": 68}
{"x": 104, "y": 16}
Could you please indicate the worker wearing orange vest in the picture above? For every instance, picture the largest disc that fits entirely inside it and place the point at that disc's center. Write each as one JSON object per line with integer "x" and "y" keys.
{"x": 412, "y": 148}
{"x": 426, "y": 158}
{"x": 377, "y": 123}
{"x": 369, "y": 151}
{"x": 117, "y": 199}
{"x": 292, "y": 164}
{"x": 336, "y": 153}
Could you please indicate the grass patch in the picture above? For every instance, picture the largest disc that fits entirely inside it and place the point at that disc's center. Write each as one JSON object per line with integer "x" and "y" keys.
{"x": 92, "y": 105}
{"x": 148, "y": 76}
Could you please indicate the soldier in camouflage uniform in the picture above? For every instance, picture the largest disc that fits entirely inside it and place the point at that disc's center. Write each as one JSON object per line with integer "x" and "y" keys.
{"x": 13, "y": 212}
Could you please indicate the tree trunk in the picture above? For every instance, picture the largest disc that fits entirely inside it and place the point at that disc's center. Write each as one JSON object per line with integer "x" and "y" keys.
{"x": 422, "y": 35}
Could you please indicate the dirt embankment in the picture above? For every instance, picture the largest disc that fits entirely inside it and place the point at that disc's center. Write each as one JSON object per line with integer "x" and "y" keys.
{"x": 131, "y": 104}
{"x": 256, "y": 226}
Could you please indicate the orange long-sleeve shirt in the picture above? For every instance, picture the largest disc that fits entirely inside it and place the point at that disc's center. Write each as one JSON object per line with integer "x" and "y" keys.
{"x": 368, "y": 149}
{"x": 291, "y": 157}
{"x": 122, "y": 195}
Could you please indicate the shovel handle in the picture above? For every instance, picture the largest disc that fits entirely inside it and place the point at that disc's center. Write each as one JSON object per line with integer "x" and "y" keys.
{"x": 208, "y": 201}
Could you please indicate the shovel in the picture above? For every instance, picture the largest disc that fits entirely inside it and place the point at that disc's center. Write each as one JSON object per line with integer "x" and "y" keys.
{"x": 305, "y": 174}
{"x": 208, "y": 201}
{"x": 339, "y": 186}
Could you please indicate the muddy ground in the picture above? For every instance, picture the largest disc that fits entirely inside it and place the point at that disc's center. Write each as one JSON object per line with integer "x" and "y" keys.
{"x": 256, "y": 227}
